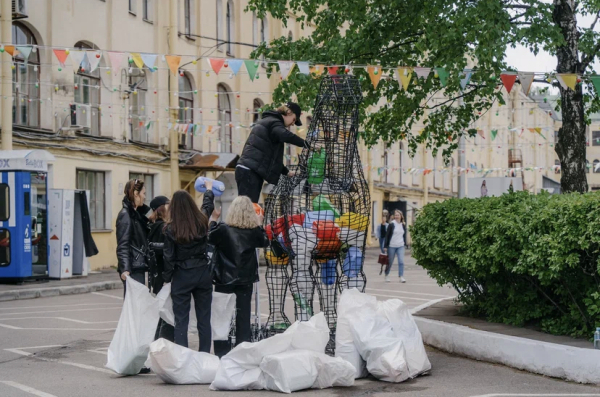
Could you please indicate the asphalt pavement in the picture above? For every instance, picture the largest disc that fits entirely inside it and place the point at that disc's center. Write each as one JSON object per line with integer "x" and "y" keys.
{"x": 57, "y": 346}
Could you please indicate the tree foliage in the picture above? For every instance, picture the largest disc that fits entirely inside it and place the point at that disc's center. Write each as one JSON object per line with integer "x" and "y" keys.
{"x": 427, "y": 33}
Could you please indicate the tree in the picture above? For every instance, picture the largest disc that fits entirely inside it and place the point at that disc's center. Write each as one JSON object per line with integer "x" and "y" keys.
{"x": 446, "y": 34}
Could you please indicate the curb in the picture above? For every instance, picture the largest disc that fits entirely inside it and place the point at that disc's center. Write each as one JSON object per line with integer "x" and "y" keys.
{"x": 550, "y": 359}
{"x": 56, "y": 291}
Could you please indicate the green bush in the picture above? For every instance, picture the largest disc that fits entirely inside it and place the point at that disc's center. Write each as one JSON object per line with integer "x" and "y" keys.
{"x": 518, "y": 259}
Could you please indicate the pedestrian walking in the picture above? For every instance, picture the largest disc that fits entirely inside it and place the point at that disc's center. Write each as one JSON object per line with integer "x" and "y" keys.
{"x": 132, "y": 233}
{"x": 187, "y": 266}
{"x": 235, "y": 262}
{"x": 395, "y": 244}
{"x": 262, "y": 156}
{"x": 156, "y": 237}
{"x": 380, "y": 233}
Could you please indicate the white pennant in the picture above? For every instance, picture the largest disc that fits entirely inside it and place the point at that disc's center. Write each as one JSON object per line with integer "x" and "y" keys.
{"x": 526, "y": 78}
{"x": 77, "y": 58}
{"x": 94, "y": 58}
{"x": 422, "y": 72}
{"x": 285, "y": 68}
{"x": 303, "y": 67}
{"x": 149, "y": 60}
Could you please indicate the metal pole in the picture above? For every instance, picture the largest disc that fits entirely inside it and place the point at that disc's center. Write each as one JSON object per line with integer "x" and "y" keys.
{"x": 173, "y": 101}
{"x": 6, "y": 75}
{"x": 461, "y": 163}
{"x": 425, "y": 181}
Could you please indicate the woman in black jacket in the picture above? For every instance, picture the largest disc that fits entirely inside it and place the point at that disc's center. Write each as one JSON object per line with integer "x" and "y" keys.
{"x": 156, "y": 237}
{"x": 132, "y": 232}
{"x": 236, "y": 265}
{"x": 187, "y": 265}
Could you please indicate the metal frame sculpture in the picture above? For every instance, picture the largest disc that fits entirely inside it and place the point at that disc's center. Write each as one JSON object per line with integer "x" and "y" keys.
{"x": 317, "y": 219}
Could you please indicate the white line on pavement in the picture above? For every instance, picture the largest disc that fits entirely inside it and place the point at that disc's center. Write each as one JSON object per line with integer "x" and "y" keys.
{"x": 427, "y": 304}
{"x": 27, "y": 389}
{"x": 538, "y": 395}
{"x": 108, "y": 296}
{"x": 407, "y": 292}
{"x": 55, "y": 329}
{"x": 21, "y": 351}
{"x": 61, "y": 318}
{"x": 37, "y": 307}
{"x": 63, "y": 311}
{"x": 400, "y": 297}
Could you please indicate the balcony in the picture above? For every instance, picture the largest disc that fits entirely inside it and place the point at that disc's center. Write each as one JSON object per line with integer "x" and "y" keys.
{"x": 514, "y": 157}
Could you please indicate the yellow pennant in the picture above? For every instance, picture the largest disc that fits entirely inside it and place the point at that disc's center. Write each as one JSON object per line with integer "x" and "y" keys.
{"x": 538, "y": 130}
{"x": 567, "y": 80}
{"x": 405, "y": 75}
{"x": 137, "y": 58}
{"x": 374, "y": 74}
{"x": 317, "y": 69}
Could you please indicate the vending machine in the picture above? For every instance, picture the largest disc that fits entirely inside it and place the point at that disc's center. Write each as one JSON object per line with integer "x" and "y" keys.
{"x": 24, "y": 214}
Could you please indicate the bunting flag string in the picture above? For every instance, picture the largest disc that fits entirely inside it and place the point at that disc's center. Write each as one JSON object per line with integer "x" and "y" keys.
{"x": 25, "y": 51}
{"x": 526, "y": 79}
{"x": 235, "y": 65}
{"x": 466, "y": 78}
{"x": 173, "y": 61}
{"x": 286, "y": 67}
{"x": 77, "y": 58}
{"x": 374, "y": 74}
{"x": 303, "y": 67}
{"x": 404, "y": 75}
{"x": 422, "y": 73}
{"x": 137, "y": 59}
{"x": 116, "y": 59}
{"x": 567, "y": 80}
{"x": 216, "y": 64}
{"x": 251, "y": 67}
{"x": 149, "y": 60}
{"x": 508, "y": 80}
{"x": 61, "y": 56}
{"x": 93, "y": 59}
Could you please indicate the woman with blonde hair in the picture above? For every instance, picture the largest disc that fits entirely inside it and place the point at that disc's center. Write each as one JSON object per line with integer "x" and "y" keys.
{"x": 235, "y": 262}
{"x": 394, "y": 245}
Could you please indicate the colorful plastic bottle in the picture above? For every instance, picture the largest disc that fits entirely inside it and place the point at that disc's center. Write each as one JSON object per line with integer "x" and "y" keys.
{"x": 316, "y": 167}
{"x": 218, "y": 186}
{"x": 597, "y": 339}
{"x": 301, "y": 302}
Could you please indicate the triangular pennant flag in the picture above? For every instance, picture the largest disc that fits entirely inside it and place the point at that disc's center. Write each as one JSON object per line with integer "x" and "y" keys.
{"x": 494, "y": 133}
{"x": 466, "y": 77}
{"x": 303, "y": 67}
{"x": 137, "y": 59}
{"x": 25, "y": 50}
{"x": 285, "y": 67}
{"x": 216, "y": 64}
{"x": 149, "y": 124}
{"x": 526, "y": 78}
{"x": 332, "y": 69}
{"x": 317, "y": 69}
{"x": 567, "y": 80}
{"x": 251, "y": 67}
{"x": 422, "y": 72}
{"x": 235, "y": 65}
{"x": 10, "y": 49}
{"x": 173, "y": 62}
{"x": 375, "y": 77}
{"x": 443, "y": 75}
{"x": 480, "y": 133}
{"x": 596, "y": 82}
{"x": 94, "y": 58}
{"x": 149, "y": 60}
{"x": 508, "y": 79}
{"x": 404, "y": 75}
{"x": 116, "y": 60}
{"x": 77, "y": 58}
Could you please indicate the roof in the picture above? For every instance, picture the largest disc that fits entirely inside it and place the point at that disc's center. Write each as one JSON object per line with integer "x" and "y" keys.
{"x": 210, "y": 162}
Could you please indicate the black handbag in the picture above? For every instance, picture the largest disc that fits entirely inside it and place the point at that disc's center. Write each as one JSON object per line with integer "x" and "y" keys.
{"x": 140, "y": 260}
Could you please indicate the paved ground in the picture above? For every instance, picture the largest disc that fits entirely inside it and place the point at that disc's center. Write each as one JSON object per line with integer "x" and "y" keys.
{"x": 57, "y": 347}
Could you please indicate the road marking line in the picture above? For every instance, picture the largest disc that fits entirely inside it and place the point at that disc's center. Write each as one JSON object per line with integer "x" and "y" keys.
{"x": 108, "y": 296}
{"x": 27, "y": 389}
{"x": 61, "y": 318}
{"x": 63, "y": 311}
{"x": 38, "y": 307}
{"x": 408, "y": 292}
{"x": 105, "y": 353}
{"x": 400, "y": 297}
{"x": 21, "y": 352}
{"x": 9, "y": 326}
{"x": 537, "y": 395}
{"x": 56, "y": 329}
{"x": 430, "y": 303}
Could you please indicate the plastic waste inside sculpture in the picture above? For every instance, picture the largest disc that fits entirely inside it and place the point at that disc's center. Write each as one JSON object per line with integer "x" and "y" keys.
{"x": 317, "y": 219}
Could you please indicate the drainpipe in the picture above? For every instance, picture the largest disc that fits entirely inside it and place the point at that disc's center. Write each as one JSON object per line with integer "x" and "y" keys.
{"x": 173, "y": 100}
{"x": 6, "y": 75}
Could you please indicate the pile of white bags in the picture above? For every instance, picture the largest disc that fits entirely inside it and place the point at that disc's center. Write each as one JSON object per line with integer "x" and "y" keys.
{"x": 383, "y": 334}
{"x": 129, "y": 347}
{"x": 181, "y": 366}
{"x": 286, "y": 362}
{"x": 222, "y": 312}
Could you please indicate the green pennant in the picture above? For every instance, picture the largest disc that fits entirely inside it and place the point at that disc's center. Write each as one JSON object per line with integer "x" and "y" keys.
{"x": 596, "y": 82}
{"x": 251, "y": 67}
{"x": 148, "y": 125}
{"x": 443, "y": 75}
{"x": 196, "y": 126}
{"x": 494, "y": 133}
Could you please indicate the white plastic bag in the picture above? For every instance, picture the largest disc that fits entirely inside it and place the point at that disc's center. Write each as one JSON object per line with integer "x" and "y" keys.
{"x": 333, "y": 372}
{"x": 351, "y": 300}
{"x": 222, "y": 312}
{"x": 129, "y": 347}
{"x": 179, "y": 365}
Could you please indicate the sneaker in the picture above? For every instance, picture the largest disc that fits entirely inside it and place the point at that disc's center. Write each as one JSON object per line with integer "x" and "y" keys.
{"x": 402, "y": 279}
{"x": 387, "y": 279}
{"x": 144, "y": 371}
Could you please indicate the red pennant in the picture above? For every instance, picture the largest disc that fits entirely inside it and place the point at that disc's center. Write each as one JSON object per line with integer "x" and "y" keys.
{"x": 216, "y": 64}
{"x": 332, "y": 69}
{"x": 54, "y": 237}
{"x": 61, "y": 55}
{"x": 508, "y": 80}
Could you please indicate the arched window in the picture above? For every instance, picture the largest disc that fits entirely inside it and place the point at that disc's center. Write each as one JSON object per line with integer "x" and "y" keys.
{"x": 230, "y": 26}
{"x": 256, "y": 109}
{"x": 186, "y": 109}
{"x": 25, "y": 76}
{"x": 225, "y": 118}
{"x": 401, "y": 162}
{"x": 596, "y": 168}
{"x": 137, "y": 79}
{"x": 87, "y": 94}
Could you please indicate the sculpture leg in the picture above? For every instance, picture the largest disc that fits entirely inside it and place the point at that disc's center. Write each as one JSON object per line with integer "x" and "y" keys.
{"x": 277, "y": 279}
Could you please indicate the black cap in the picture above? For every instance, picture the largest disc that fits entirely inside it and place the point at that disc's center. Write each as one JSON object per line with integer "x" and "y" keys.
{"x": 294, "y": 107}
{"x": 158, "y": 201}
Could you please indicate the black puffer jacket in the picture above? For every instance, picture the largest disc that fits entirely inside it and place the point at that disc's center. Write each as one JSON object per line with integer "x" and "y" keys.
{"x": 263, "y": 151}
{"x": 190, "y": 255}
{"x": 132, "y": 232}
{"x": 157, "y": 236}
{"x": 235, "y": 253}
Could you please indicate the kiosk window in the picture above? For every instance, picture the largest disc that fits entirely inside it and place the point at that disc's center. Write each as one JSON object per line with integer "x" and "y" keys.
{"x": 27, "y": 203}
{"x": 4, "y": 202}
{"x": 4, "y": 247}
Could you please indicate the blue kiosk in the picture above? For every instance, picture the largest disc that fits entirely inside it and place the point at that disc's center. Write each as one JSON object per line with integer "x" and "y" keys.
{"x": 24, "y": 240}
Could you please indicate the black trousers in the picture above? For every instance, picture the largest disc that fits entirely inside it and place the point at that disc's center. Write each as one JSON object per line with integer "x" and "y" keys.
{"x": 186, "y": 283}
{"x": 249, "y": 183}
{"x": 139, "y": 277}
{"x": 243, "y": 299}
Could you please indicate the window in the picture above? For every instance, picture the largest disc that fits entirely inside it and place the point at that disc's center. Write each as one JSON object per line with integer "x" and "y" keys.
{"x": 595, "y": 138}
{"x": 94, "y": 182}
{"x": 260, "y": 32}
{"x": 25, "y": 75}
{"x": 290, "y": 36}
{"x": 385, "y": 165}
{"x": 401, "y": 163}
{"x": 556, "y": 138}
{"x": 256, "y": 105}
{"x": 596, "y": 170}
{"x": 88, "y": 94}
{"x": 374, "y": 217}
{"x": 435, "y": 173}
{"x": 27, "y": 203}
{"x": 225, "y": 118}
{"x": 147, "y": 10}
{"x": 186, "y": 109}
{"x": 587, "y": 166}
{"x": 132, "y": 6}
{"x": 148, "y": 184}
{"x": 416, "y": 163}
{"x": 230, "y": 26}
{"x": 454, "y": 180}
{"x": 138, "y": 116}
{"x": 220, "y": 24}
{"x": 190, "y": 17}
{"x": 4, "y": 247}
{"x": 557, "y": 170}
{"x": 4, "y": 202}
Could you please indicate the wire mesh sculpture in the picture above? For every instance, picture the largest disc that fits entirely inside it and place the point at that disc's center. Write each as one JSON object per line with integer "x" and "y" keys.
{"x": 317, "y": 219}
